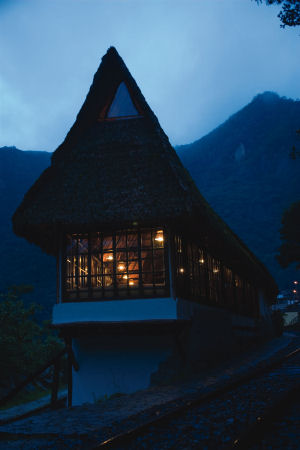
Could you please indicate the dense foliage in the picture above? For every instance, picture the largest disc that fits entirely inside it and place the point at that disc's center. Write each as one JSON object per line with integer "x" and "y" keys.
{"x": 25, "y": 345}
{"x": 244, "y": 169}
{"x": 290, "y": 235}
{"x": 289, "y": 14}
{"x": 21, "y": 262}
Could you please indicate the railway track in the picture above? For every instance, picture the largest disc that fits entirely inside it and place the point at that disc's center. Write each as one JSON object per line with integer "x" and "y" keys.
{"x": 235, "y": 415}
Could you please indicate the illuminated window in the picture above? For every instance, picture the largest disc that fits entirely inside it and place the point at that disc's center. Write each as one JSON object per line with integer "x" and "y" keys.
{"x": 128, "y": 263}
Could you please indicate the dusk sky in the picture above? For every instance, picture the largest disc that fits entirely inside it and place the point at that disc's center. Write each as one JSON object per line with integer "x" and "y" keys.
{"x": 196, "y": 61}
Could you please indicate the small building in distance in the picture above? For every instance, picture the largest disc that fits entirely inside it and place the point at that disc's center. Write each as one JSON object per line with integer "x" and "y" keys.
{"x": 150, "y": 281}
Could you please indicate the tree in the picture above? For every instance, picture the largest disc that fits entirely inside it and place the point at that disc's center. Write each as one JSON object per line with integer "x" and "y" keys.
{"x": 289, "y": 252}
{"x": 25, "y": 344}
{"x": 295, "y": 153}
{"x": 289, "y": 14}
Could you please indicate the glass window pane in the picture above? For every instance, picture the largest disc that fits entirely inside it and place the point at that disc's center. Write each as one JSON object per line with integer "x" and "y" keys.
{"x": 133, "y": 266}
{"x": 107, "y": 281}
{"x": 133, "y": 256}
{"x": 108, "y": 264}
{"x": 121, "y": 256}
{"x": 82, "y": 281}
{"x": 108, "y": 257}
{"x": 132, "y": 240}
{"x": 158, "y": 238}
{"x": 133, "y": 280}
{"x": 145, "y": 239}
{"x": 121, "y": 266}
{"x": 107, "y": 242}
{"x": 96, "y": 243}
{"x": 96, "y": 281}
{"x": 122, "y": 280}
{"x": 158, "y": 261}
{"x": 121, "y": 240}
{"x": 83, "y": 245}
{"x": 159, "y": 278}
{"x": 147, "y": 279}
{"x": 71, "y": 244}
{"x": 96, "y": 265}
{"x": 147, "y": 265}
{"x": 71, "y": 264}
{"x": 83, "y": 265}
{"x": 122, "y": 105}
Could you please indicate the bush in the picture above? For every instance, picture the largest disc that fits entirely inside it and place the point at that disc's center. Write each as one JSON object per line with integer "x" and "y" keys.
{"x": 25, "y": 345}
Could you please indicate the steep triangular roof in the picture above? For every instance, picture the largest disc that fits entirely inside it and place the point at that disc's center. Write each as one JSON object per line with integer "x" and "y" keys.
{"x": 116, "y": 173}
{"x": 111, "y": 73}
{"x": 109, "y": 172}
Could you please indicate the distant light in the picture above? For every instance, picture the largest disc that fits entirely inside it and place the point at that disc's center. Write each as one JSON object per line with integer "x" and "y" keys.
{"x": 201, "y": 261}
{"x": 294, "y": 290}
{"x": 131, "y": 283}
{"x": 215, "y": 270}
{"x": 181, "y": 270}
{"x": 121, "y": 267}
{"x": 295, "y": 282}
{"x": 125, "y": 277}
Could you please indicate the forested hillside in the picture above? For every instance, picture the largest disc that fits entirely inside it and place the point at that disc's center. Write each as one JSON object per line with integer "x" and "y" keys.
{"x": 244, "y": 170}
{"x": 21, "y": 262}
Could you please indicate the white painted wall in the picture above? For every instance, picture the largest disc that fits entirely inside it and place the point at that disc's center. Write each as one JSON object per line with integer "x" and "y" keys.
{"x": 115, "y": 311}
{"x": 116, "y": 363}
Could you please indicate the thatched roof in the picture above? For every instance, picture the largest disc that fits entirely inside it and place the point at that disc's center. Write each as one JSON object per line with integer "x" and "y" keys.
{"x": 112, "y": 173}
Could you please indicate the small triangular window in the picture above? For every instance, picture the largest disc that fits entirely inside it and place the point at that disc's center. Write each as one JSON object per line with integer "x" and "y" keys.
{"x": 122, "y": 105}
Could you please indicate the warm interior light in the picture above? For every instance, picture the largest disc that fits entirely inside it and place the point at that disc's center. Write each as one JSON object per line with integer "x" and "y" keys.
{"x": 215, "y": 270}
{"x": 108, "y": 258}
{"x": 201, "y": 261}
{"x": 131, "y": 283}
{"x": 81, "y": 270}
{"x": 125, "y": 277}
{"x": 159, "y": 236}
{"x": 181, "y": 270}
{"x": 121, "y": 267}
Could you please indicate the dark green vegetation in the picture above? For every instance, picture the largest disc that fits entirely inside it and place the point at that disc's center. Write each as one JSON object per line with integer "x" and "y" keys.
{"x": 20, "y": 262}
{"x": 25, "y": 345}
{"x": 289, "y": 14}
{"x": 290, "y": 234}
{"x": 244, "y": 170}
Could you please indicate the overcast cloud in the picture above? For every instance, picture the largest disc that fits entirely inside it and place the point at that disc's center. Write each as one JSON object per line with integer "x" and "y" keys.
{"x": 196, "y": 61}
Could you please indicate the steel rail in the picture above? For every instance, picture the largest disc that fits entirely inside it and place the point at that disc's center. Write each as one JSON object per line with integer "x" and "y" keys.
{"x": 130, "y": 434}
{"x": 274, "y": 410}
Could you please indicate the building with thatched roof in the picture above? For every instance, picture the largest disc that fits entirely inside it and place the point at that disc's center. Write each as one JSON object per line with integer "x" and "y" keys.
{"x": 143, "y": 261}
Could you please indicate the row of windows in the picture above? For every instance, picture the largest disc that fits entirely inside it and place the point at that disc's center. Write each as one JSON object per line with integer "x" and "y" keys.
{"x": 133, "y": 263}
{"x": 203, "y": 278}
{"x": 123, "y": 264}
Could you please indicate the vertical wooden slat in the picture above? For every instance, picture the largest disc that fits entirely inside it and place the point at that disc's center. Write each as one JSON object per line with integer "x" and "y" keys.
{"x": 141, "y": 286}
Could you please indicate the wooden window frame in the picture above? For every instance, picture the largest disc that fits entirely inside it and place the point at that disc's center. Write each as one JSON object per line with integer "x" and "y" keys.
{"x": 116, "y": 291}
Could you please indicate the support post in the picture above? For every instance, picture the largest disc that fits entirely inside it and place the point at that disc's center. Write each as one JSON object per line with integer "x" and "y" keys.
{"x": 69, "y": 370}
{"x": 55, "y": 382}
